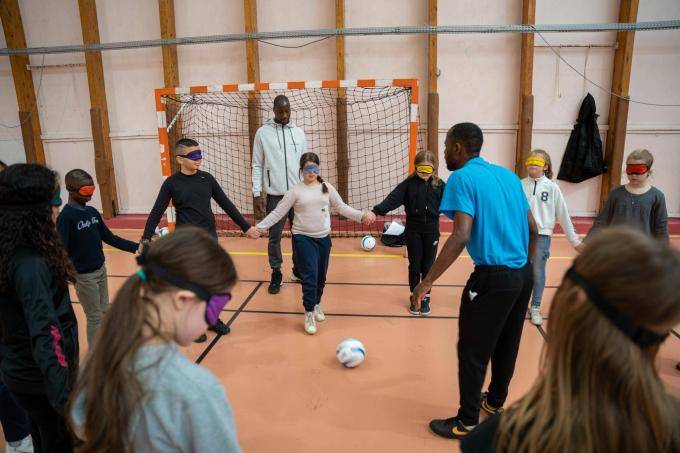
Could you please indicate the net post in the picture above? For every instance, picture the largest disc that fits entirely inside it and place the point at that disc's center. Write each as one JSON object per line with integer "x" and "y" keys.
{"x": 253, "y": 125}
{"x": 341, "y": 145}
{"x": 164, "y": 144}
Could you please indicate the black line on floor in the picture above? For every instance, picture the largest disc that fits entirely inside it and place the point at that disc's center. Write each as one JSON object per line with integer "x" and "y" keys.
{"x": 353, "y": 315}
{"x": 229, "y": 323}
{"x": 345, "y": 283}
{"x": 675, "y": 333}
{"x": 540, "y": 329}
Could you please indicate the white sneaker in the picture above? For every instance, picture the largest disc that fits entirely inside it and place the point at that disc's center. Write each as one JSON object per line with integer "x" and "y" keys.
{"x": 294, "y": 278}
{"x": 318, "y": 314}
{"x": 23, "y": 446}
{"x": 310, "y": 323}
{"x": 536, "y": 318}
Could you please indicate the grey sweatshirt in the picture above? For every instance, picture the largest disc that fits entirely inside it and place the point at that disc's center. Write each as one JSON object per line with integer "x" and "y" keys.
{"x": 645, "y": 212}
{"x": 185, "y": 410}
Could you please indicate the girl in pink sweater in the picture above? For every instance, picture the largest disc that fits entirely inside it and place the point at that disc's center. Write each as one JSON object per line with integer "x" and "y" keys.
{"x": 312, "y": 199}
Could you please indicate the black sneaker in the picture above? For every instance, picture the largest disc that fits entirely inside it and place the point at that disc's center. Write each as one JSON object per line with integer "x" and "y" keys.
{"x": 220, "y": 328}
{"x": 425, "y": 307}
{"x": 275, "y": 284}
{"x": 450, "y": 428}
{"x": 202, "y": 339}
{"x": 412, "y": 309}
{"x": 488, "y": 408}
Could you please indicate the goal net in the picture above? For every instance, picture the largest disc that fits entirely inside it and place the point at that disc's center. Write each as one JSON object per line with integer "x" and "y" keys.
{"x": 365, "y": 133}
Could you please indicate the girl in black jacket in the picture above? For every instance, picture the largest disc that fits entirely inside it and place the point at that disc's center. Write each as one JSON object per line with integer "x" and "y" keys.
{"x": 420, "y": 194}
{"x": 38, "y": 330}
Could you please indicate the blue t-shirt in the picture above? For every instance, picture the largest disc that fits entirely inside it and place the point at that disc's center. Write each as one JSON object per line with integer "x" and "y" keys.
{"x": 493, "y": 197}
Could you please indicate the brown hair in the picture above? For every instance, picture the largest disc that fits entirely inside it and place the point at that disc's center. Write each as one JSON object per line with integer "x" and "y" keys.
{"x": 427, "y": 156}
{"x": 108, "y": 382}
{"x": 548, "y": 170}
{"x": 643, "y": 155}
{"x": 314, "y": 158}
{"x": 597, "y": 390}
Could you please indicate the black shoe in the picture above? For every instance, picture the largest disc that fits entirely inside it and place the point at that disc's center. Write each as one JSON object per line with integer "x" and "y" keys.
{"x": 425, "y": 307}
{"x": 275, "y": 284}
{"x": 220, "y": 328}
{"x": 488, "y": 408}
{"x": 451, "y": 428}
{"x": 202, "y": 339}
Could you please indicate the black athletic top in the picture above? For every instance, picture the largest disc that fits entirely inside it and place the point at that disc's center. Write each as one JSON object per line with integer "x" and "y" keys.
{"x": 82, "y": 231}
{"x": 38, "y": 331}
{"x": 421, "y": 201}
{"x": 191, "y": 195}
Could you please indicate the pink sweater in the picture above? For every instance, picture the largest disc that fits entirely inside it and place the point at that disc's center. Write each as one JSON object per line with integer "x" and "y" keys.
{"x": 312, "y": 210}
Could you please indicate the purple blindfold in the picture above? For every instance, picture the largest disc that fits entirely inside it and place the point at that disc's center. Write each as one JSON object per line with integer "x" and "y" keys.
{"x": 194, "y": 155}
{"x": 215, "y": 301}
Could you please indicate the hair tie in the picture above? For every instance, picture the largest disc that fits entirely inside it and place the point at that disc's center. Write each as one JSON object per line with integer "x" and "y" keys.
{"x": 141, "y": 274}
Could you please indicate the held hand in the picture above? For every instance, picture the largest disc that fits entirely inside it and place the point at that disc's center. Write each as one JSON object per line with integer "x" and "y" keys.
{"x": 262, "y": 232}
{"x": 142, "y": 243}
{"x": 259, "y": 207}
{"x": 253, "y": 233}
{"x": 368, "y": 218}
{"x": 419, "y": 293}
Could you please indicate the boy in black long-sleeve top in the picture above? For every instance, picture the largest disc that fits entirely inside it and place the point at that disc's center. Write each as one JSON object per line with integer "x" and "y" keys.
{"x": 82, "y": 231}
{"x": 420, "y": 194}
{"x": 190, "y": 191}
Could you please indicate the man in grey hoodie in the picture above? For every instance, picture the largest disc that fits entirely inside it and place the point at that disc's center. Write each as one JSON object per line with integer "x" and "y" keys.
{"x": 277, "y": 148}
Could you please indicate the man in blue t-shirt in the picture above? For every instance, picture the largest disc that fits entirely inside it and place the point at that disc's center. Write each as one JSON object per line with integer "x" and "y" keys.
{"x": 492, "y": 218}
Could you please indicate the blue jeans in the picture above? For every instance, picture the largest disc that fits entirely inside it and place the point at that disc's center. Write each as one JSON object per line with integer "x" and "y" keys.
{"x": 312, "y": 264}
{"x": 540, "y": 261}
{"x": 12, "y": 417}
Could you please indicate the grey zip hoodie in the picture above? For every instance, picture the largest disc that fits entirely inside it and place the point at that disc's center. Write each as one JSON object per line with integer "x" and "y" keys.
{"x": 276, "y": 157}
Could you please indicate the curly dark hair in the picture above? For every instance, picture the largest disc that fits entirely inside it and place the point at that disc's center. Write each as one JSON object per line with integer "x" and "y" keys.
{"x": 26, "y": 220}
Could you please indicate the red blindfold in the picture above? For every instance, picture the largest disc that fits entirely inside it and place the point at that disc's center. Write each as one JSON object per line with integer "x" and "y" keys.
{"x": 636, "y": 169}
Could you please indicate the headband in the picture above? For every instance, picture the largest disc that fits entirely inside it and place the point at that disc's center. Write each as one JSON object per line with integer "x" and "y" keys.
{"x": 640, "y": 335}
{"x": 636, "y": 169}
{"x": 535, "y": 161}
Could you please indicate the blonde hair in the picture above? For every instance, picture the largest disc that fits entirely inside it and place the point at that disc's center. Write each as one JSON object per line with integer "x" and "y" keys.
{"x": 643, "y": 155}
{"x": 597, "y": 390}
{"x": 548, "y": 163}
{"x": 427, "y": 156}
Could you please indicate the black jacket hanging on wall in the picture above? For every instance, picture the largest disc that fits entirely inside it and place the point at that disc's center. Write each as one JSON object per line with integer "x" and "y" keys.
{"x": 583, "y": 158}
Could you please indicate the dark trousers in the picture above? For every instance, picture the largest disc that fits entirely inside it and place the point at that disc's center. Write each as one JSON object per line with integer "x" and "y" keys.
{"x": 47, "y": 426}
{"x": 493, "y": 307}
{"x": 12, "y": 417}
{"x": 422, "y": 251}
{"x": 275, "y": 232}
{"x": 313, "y": 255}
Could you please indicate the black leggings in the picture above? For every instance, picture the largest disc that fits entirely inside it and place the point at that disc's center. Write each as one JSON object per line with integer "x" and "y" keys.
{"x": 422, "y": 250}
{"x": 47, "y": 426}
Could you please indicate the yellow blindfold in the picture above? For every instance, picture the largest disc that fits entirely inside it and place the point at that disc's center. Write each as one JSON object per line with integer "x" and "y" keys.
{"x": 427, "y": 169}
{"x": 535, "y": 161}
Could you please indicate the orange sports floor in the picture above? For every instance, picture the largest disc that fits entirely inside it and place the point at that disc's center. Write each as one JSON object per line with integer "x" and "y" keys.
{"x": 289, "y": 393}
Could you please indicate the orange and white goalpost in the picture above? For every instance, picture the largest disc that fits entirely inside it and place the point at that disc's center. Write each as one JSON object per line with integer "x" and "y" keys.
{"x": 364, "y": 131}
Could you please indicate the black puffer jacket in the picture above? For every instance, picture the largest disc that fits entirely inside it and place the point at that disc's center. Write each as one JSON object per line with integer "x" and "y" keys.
{"x": 38, "y": 331}
{"x": 583, "y": 158}
{"x": 421, "y": 201}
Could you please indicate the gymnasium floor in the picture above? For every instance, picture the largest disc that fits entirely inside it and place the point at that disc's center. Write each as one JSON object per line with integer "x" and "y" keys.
{"x": 289, "y": 393}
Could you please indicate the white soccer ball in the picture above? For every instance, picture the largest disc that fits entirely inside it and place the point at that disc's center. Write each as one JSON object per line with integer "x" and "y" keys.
{"x": 163, "y": 231}
{"x": 350, "y": 352}
{"x": 368, "y": 243}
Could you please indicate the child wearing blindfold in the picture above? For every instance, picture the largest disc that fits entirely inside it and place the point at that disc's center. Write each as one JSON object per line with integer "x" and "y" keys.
{"x": 82, "y": 231}
{"x": 547, "y": 206}
{"x": 637, "y": 204}
{"x": 312, "y": 200}
{"x": 138, "y": 391}
{"x": 420, "y": 194}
